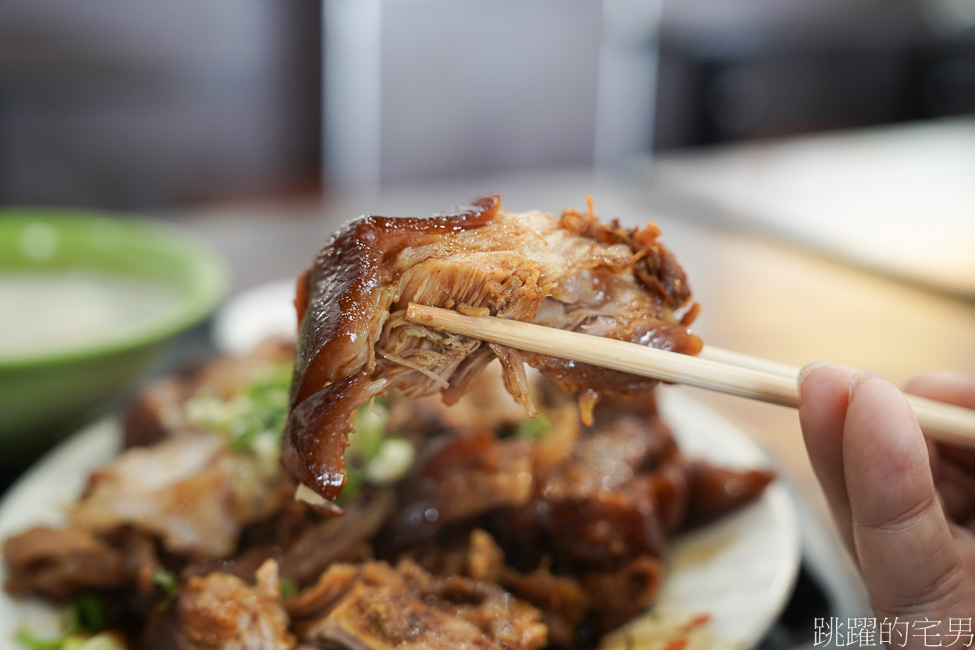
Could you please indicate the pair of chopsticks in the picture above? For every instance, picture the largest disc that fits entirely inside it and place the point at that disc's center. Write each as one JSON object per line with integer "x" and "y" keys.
{"x": 714, "y": 369}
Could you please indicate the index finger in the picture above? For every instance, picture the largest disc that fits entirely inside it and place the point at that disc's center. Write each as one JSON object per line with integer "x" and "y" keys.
{"x": 902, "y": 538}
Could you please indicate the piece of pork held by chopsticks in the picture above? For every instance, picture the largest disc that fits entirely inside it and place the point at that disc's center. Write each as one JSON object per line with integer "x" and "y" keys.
{"x": 571, "y": 272}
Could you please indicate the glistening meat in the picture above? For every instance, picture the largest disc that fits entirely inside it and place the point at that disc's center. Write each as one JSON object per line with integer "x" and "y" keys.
{"x": 572, "y": 272}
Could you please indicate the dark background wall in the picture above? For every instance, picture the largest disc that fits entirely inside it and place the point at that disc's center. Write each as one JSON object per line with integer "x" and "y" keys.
{"x": 116, "y": 103}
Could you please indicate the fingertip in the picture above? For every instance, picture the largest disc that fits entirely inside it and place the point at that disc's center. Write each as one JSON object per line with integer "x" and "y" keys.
{"x": 883, "y": 418}
{"x": 859, "y": 377}
{"x": 805, "y": 371}
{"x": 886, "y": 457}
{"x": 824, "y": 389}
{"x": 823, "y": 397}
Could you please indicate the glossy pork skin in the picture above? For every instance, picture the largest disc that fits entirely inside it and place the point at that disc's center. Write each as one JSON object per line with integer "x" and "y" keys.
{"x": 571, "y": 272}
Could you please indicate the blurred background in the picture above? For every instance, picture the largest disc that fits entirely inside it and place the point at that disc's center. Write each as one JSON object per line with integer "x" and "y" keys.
{"x": 121, "y": 104}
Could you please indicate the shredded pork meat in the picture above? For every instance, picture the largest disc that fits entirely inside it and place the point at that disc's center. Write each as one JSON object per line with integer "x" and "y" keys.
{"x": 222, "y": 612}
{"x": 376, "y": 606}
{"x": 572, "y": 272}
{"x": 187, "y": 489}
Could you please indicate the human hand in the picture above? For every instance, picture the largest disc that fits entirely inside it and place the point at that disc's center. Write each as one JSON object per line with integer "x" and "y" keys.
{"x": 903, "y": 505}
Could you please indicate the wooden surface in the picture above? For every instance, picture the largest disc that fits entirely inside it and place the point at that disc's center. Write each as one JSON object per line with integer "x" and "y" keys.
{"x": 899, "y": 198}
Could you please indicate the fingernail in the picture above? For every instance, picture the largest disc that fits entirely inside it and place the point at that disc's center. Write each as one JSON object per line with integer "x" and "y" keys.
{"x": 858, "y": 378}
{"x": 805, "y": 370}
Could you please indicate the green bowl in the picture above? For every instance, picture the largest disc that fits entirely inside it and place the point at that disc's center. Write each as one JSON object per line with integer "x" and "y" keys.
{"x": 64, "y": 260}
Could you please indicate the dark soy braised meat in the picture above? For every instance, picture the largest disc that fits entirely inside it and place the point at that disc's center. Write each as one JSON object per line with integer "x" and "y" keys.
{"x": 375, "y": 606}
{"x": 572, "y": 272}
{"x": 503, "y": 532}
{"x": 60, "y": 563}
{"x": 222, "y": 611}
{"x": 575, "y": 522}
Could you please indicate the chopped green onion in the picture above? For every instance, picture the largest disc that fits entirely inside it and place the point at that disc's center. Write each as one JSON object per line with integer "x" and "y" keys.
{"x": 31, "y": 642}
{"x": 288, "y": 587}
{"x": 168, "y": 582}
{"x": 89, "y": 613}
{"x": 254, "y": 418}
{"x": 100, "y": 642}
{"x": 532, "y": 429}
{"x": 353, "y": 483}
{"x": 371, "y": 421}
{"x": 392, "y": 461}
{"x": 68, "y": 642}
{"x": 372, "y": 455}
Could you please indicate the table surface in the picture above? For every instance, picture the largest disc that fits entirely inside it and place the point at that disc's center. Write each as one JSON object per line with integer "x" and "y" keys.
{"x": 897, "y": 199}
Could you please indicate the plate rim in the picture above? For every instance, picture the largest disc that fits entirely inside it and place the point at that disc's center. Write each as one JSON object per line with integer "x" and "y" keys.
{"x": 676, "y": 407}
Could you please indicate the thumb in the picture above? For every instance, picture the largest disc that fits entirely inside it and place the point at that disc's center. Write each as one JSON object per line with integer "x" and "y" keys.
{"x": 902, "y": 538}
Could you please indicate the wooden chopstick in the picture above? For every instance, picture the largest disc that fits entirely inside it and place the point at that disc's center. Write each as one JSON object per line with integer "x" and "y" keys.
{"x": 943, "y": 422}
{"x": 615, "y": 355}
{"x": 730, "y": 358}
{"x": 715, "y": 369}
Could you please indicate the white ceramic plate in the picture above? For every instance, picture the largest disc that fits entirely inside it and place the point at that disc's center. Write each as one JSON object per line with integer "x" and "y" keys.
{"x": 41, "y": 497}
{"x": 248, "y": 317}
{"x": 738, "y": 573}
